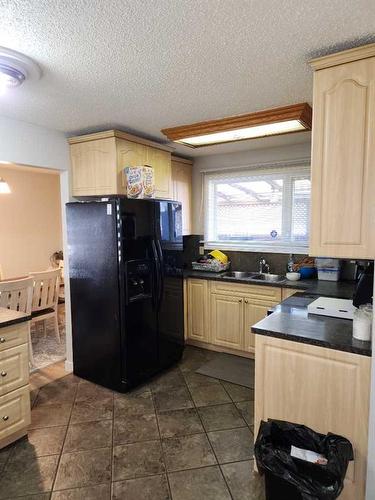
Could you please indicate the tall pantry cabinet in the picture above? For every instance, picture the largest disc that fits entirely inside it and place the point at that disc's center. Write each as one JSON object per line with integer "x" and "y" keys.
{"x": 343, "y": 155}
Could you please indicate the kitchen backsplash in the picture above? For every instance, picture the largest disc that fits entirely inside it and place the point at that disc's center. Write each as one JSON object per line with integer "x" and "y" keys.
{"x": 249, "y": 261}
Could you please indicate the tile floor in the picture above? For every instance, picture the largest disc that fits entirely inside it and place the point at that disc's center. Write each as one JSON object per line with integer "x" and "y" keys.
{"x": 182, "y": 436}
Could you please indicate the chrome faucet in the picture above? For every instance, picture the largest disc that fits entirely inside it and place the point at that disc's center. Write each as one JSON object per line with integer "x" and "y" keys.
{"x": 263, "y": 266}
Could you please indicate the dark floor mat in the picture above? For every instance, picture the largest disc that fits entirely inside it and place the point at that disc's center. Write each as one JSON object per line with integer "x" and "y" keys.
{"x": 230, "y": 368}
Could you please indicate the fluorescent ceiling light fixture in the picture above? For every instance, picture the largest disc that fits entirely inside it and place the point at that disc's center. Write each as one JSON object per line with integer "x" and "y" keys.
{"x": 244, "y": 133}
{"x": 276, "y": 121}
{"x": 4, "y": 187}
{"x": 15, "y": 68}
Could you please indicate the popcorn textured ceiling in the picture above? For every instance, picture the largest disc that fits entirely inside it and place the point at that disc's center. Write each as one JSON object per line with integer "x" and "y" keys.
{"x": 143, "y": 65}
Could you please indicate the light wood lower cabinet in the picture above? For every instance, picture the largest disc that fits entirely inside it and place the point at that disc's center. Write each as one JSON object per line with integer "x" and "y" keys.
{"x": 226, "y": 321}
{"x": 221, "y": 313}
{"x": 13, "y": 335}
{"x": 252, "y": 314}
{"x": 267, "y": 294}
{"x": 14, "y": 415}
{"x": 197, "y": 310}
{"x": 14, "y": 364}
{"x": 288, "y": 292}
{"x": 14, "y": 382}
{"x": 325, "y": 389}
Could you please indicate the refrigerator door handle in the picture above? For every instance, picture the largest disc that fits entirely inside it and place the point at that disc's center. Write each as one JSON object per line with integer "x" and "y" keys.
{"x": 161, "y": 273}
{"x": 157, "y": 284}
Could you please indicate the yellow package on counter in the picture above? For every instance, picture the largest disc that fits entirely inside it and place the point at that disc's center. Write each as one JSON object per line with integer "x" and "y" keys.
{"x": 219, "y": 256}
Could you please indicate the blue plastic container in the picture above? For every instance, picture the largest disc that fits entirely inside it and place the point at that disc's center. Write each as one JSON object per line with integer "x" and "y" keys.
{"x": 307, "y": 272}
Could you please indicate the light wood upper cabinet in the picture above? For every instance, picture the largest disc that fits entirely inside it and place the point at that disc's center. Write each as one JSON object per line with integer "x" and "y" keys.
{"x": 92, "y": 168}
{"x": 343, "y": 156}
{"x": 128, "y": 153}
{"x": 197, "y": 310}
{"x": 161, "y": 163}
{"x": 182, "y": 189}
{"x": 226, "y": 320}
{"x": 97, "y": 162}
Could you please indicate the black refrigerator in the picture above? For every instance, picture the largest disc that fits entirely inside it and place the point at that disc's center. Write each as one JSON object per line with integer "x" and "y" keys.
{"x": 126, "y": 286}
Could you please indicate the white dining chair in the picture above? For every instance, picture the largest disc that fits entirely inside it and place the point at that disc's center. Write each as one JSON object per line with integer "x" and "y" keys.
{"x": 17, "y": 296}
{"x": 46, "y": 287}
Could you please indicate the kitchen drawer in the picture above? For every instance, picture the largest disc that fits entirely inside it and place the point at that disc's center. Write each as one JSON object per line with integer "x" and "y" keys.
{"x": 257, "y": 292}
{"x": 14, "y": 368}
{"x": 14, "y": 412}
{"x": 13, "y": 335}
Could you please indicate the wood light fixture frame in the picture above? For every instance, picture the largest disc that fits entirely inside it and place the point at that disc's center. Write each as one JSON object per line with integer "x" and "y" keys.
{"x": 301, "y": 112}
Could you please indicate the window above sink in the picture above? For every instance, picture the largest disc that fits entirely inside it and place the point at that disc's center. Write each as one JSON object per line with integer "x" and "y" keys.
{"x": 258, "y": 209}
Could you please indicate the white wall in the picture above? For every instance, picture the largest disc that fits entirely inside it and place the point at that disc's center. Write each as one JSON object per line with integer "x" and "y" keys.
{"x": 29, "y": 144}
{"x": 240, "y": 159}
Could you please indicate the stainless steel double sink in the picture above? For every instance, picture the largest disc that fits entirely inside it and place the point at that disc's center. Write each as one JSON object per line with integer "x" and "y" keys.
{"x": 242, "y": 275}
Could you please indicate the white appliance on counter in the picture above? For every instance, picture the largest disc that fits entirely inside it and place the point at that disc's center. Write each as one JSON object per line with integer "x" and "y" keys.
{"x": 330, "y": 306}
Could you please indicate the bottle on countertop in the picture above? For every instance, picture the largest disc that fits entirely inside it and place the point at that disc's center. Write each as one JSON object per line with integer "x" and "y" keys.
{"x": 290, "y": 264}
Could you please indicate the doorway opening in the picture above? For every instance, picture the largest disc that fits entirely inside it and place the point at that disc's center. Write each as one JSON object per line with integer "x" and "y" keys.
{"x": 31, "y": 246}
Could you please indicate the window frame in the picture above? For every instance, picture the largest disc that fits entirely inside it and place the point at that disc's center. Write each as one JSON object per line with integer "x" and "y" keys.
{"x": 291, "y": 172}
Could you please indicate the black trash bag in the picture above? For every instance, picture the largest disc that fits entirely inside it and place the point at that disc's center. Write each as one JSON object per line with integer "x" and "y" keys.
{"x": 312, "y": 481}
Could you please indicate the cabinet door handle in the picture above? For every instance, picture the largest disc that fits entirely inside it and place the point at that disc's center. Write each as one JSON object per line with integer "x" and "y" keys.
{"x": 239, "y": 300}
{"x": 3, "y": 374}
{"x": 246, "y": 301}
{"x": 5, "y": 418}
{"x": 2, "y": 340}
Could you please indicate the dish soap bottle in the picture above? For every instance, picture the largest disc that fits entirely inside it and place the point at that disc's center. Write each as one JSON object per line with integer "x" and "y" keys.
{"x": 290, "y": 264}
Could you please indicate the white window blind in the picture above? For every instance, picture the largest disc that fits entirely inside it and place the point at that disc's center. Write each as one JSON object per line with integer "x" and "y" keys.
{"x": 258, "y": 209}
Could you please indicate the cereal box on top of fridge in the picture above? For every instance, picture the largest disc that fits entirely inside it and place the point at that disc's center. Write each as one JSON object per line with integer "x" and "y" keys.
{"x": 134, "y": 181}
{"x": 148, "y": 182}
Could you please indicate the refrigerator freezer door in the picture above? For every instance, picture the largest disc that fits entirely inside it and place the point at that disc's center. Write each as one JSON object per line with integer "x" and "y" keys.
{"x": 93, "y": 270}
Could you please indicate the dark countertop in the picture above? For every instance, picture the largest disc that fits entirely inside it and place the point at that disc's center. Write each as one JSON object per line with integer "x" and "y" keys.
{"x": 339, "y": 289}
{"x": 290, "y": 321}
{"x": 9, "y": 317}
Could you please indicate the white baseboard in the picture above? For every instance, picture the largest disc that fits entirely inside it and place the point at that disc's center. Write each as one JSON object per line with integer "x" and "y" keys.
{"x": 68, "y": 366}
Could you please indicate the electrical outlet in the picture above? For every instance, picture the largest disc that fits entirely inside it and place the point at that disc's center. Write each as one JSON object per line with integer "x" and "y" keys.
{"x": 201, "y": 250}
